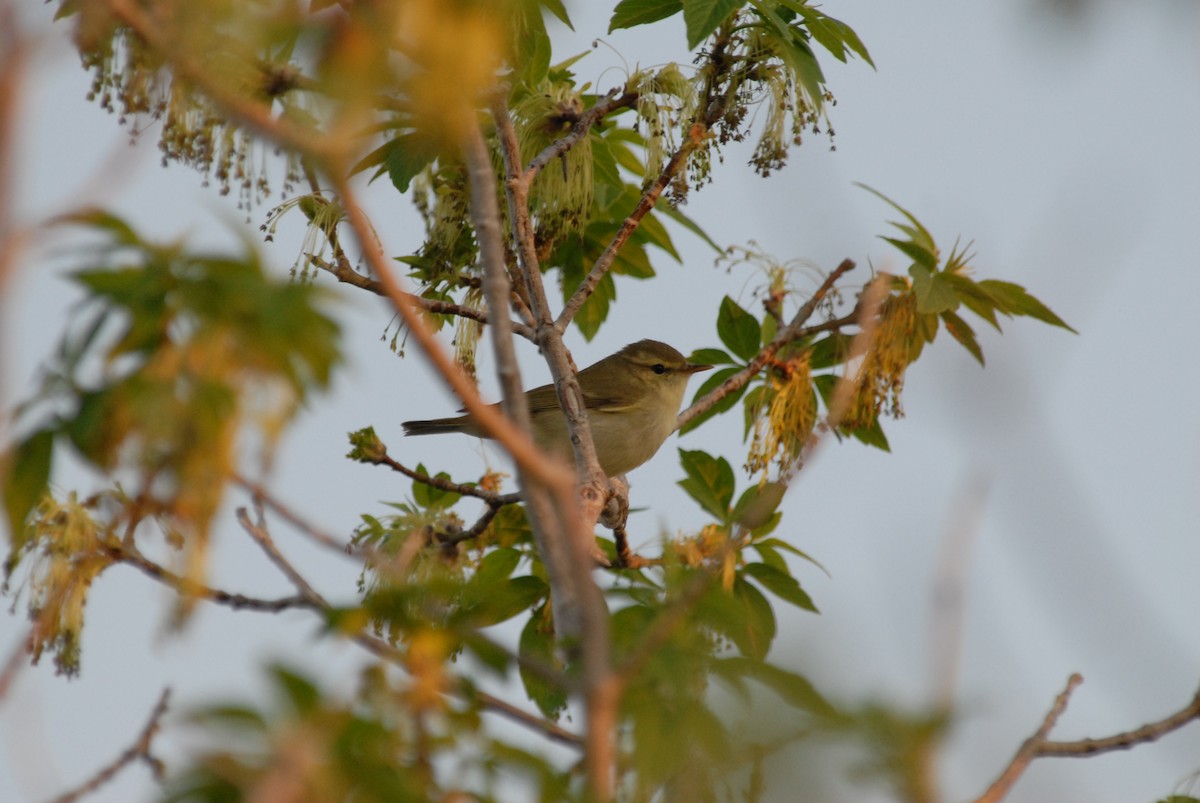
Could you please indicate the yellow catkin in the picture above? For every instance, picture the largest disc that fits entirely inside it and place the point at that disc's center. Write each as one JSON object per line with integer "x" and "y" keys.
{"x": 786, "y": 418}
{"x": 881, "y": 376}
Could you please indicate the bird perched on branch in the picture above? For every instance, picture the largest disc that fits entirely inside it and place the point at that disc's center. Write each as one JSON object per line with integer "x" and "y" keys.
{"x": 632, "y": 398}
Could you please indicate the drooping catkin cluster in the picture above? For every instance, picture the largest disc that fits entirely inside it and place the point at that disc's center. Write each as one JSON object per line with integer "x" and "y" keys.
{"x": 880, "y": 379}
{"x": 561, "y": 196}
{"x": 785, "y": 417}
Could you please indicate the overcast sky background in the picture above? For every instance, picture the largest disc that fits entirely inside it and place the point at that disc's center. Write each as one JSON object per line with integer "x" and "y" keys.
{"x": 1062, "y": 144}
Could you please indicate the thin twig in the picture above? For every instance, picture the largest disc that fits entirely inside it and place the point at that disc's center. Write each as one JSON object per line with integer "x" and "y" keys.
{"x": 258, "y": 532}
{"x": 520, "y": 716}
{"x": 1126, "y": 740}
{"x": 1029, "y": 748}
{"x": 793, "y": 331}
{"x": 139, "y": 749}
{"x": 123, "y": 553}
{"x": 443, "y": 484}
{"x": 261, "y": 494}
{"x": 340, "y": 269}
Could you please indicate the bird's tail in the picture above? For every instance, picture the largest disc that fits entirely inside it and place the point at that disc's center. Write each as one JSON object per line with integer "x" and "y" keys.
{"x": 434, "y": 426}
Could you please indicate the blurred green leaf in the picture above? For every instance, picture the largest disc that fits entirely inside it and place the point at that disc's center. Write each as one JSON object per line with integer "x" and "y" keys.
{"x": 709, "y": 481}
{"x": 793, "y": 688}
{"x": 25, "y": 481}
{"x": 537, "y": 646}
{"x": 756, "y": 626}
{"x": 781, "y": 584}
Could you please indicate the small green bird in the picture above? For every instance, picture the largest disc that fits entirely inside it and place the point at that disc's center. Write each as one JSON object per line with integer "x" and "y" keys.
{"x": 632, "y": 398}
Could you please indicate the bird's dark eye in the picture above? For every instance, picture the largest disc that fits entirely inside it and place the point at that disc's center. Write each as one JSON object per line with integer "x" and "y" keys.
{"x": 659, "y": 368}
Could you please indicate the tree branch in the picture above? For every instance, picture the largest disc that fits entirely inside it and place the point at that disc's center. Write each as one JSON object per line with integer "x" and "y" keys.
{"x": 1038, "y": 745}
{"x": 695, "y": 138}
{"x": 576, "y": 511}
{"x": 124, "y": 553}
{"x": 139, "y": 749}
{"x": 793, "y": 331}
{"x": 340, "y": 269}
{"x": 491, "y": 497}
{"x": 258, "y": 532}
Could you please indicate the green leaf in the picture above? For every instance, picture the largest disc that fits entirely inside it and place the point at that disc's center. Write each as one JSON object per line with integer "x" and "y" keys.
{"x": 496, "y": 566}
{"x": 738, "y": 329}
{"x": 494, "y": 603}
{"x": 25, "y": 481}
{"x": 1015, "y": 300}
{"x": 776, "y": 543}
{"x": 300, "y": 692}
{"x": 757, "y": 627}
{"x": 934, "y": 294}
{"x": 120, "y": 231}
{"x": 789, "y": 43}
{"x": 703, "y": 16}
{"x": 709, "y": 481}
{"x": 919, "y": 254}
{"x": 831, "y": 350}
{"x": 556, "y": 8}
{"x": 715, "y": 379}
{"x": 833, "y": 35}
{"x": 709, "y": 357}
{"x": 758, "y": 504}
{"x": 689, "y": 224}
{"x": 630, "y": 13}
{"x": 872, "y": 436}
{"x": 794, "y": 689}
{"x": 974, "y": 298}
{"x": 537, "y": 647}
{"x": 918, "y": 235}
{"x": 781, "y": 584}
{"x": 963, "y": 333}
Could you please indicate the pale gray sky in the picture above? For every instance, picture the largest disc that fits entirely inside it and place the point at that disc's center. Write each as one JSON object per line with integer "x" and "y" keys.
{"x": 1064, "y": 147}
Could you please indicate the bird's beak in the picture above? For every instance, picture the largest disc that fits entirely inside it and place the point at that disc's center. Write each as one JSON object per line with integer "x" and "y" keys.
{"x": 692, "y": 368}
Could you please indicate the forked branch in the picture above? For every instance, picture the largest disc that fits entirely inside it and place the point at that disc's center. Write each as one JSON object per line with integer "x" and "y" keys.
{"x": 1038, "y": 745}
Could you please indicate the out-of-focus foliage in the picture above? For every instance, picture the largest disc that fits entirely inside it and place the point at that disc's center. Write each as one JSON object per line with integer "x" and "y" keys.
{"x": 173, "y": 360}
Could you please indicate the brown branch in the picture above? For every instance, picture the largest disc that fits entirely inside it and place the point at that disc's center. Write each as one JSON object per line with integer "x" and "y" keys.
{"x": 491, "y": 497}
{"x": 340, "y": 269}
{"x": 695, "y": 138}
{"x": 263, "y": 496}
{"x": 1038, "y": 745}
{"x": 124, "y": 553}
{"x": 1029, "y": 748}
{"x": 258, "y": 532}
{"x": 793, "y": 331}
{"x": 1126, "y": 740}
{"x": 140, "y": 749}
{"x": 547, "y": 728}
{"x": 571, "y": 513}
